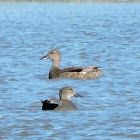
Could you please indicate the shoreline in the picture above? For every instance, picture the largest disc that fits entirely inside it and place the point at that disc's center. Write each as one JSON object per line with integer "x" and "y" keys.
{"x": 97, "y": 1}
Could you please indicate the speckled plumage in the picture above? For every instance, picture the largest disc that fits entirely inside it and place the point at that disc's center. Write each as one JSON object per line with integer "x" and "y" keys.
{"x": 89, "y": 72}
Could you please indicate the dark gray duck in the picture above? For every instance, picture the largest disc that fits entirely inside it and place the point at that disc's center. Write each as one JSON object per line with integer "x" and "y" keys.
{"x": 64, "y": 102}
{"x": 89, "y": 72}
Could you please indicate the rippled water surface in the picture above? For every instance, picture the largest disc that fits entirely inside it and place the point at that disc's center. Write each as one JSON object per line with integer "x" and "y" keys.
{"x": 102, "y": 34}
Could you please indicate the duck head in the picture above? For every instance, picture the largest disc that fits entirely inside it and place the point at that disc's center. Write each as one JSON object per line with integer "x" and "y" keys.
{"x": 68, "y": 92}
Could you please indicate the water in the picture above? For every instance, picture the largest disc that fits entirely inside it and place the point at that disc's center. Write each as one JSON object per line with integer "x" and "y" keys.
{"x": 102, "y": 34}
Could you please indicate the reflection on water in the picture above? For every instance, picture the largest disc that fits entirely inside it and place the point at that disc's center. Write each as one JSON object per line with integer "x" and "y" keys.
{"x": 105, "y": 35}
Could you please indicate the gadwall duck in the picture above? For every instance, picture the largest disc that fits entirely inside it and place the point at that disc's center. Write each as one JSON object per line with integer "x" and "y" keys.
{"x": 89, "y": 72}
{"x": 64, "y": 102}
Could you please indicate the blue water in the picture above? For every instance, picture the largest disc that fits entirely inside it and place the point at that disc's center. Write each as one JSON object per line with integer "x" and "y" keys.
{"x": 102, "y": 34}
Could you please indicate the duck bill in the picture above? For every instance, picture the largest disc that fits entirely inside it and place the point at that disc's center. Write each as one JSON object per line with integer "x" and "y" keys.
{"x": 77, "y": 95}
{"x": 44, "y": 57}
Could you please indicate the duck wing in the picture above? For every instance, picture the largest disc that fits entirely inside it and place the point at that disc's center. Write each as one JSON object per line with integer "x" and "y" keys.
{"x": 50, "y": 104}
{"x": 79, "y": 69}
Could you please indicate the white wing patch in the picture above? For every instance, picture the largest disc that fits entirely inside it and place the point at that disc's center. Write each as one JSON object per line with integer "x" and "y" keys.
{"x": 84, "y": 72}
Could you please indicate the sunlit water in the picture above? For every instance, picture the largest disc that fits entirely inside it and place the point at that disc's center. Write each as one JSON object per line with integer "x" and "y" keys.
{"x": 106, "y": 35}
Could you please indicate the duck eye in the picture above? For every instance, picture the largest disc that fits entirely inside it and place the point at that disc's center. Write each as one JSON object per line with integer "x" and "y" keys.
{"x": 70, "y": 89}
{"x": 51, "y": 53}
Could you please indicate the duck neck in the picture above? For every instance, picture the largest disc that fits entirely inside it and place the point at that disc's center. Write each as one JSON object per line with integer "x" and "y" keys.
{"x": 56, "y": 63}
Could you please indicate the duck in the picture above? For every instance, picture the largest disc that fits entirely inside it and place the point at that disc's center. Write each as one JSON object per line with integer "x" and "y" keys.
{"x": 85, "y": 73}
{"x": 63, "y": 103}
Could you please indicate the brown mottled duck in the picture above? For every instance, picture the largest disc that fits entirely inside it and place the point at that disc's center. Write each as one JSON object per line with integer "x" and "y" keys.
{"x": 89, "y": 72}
